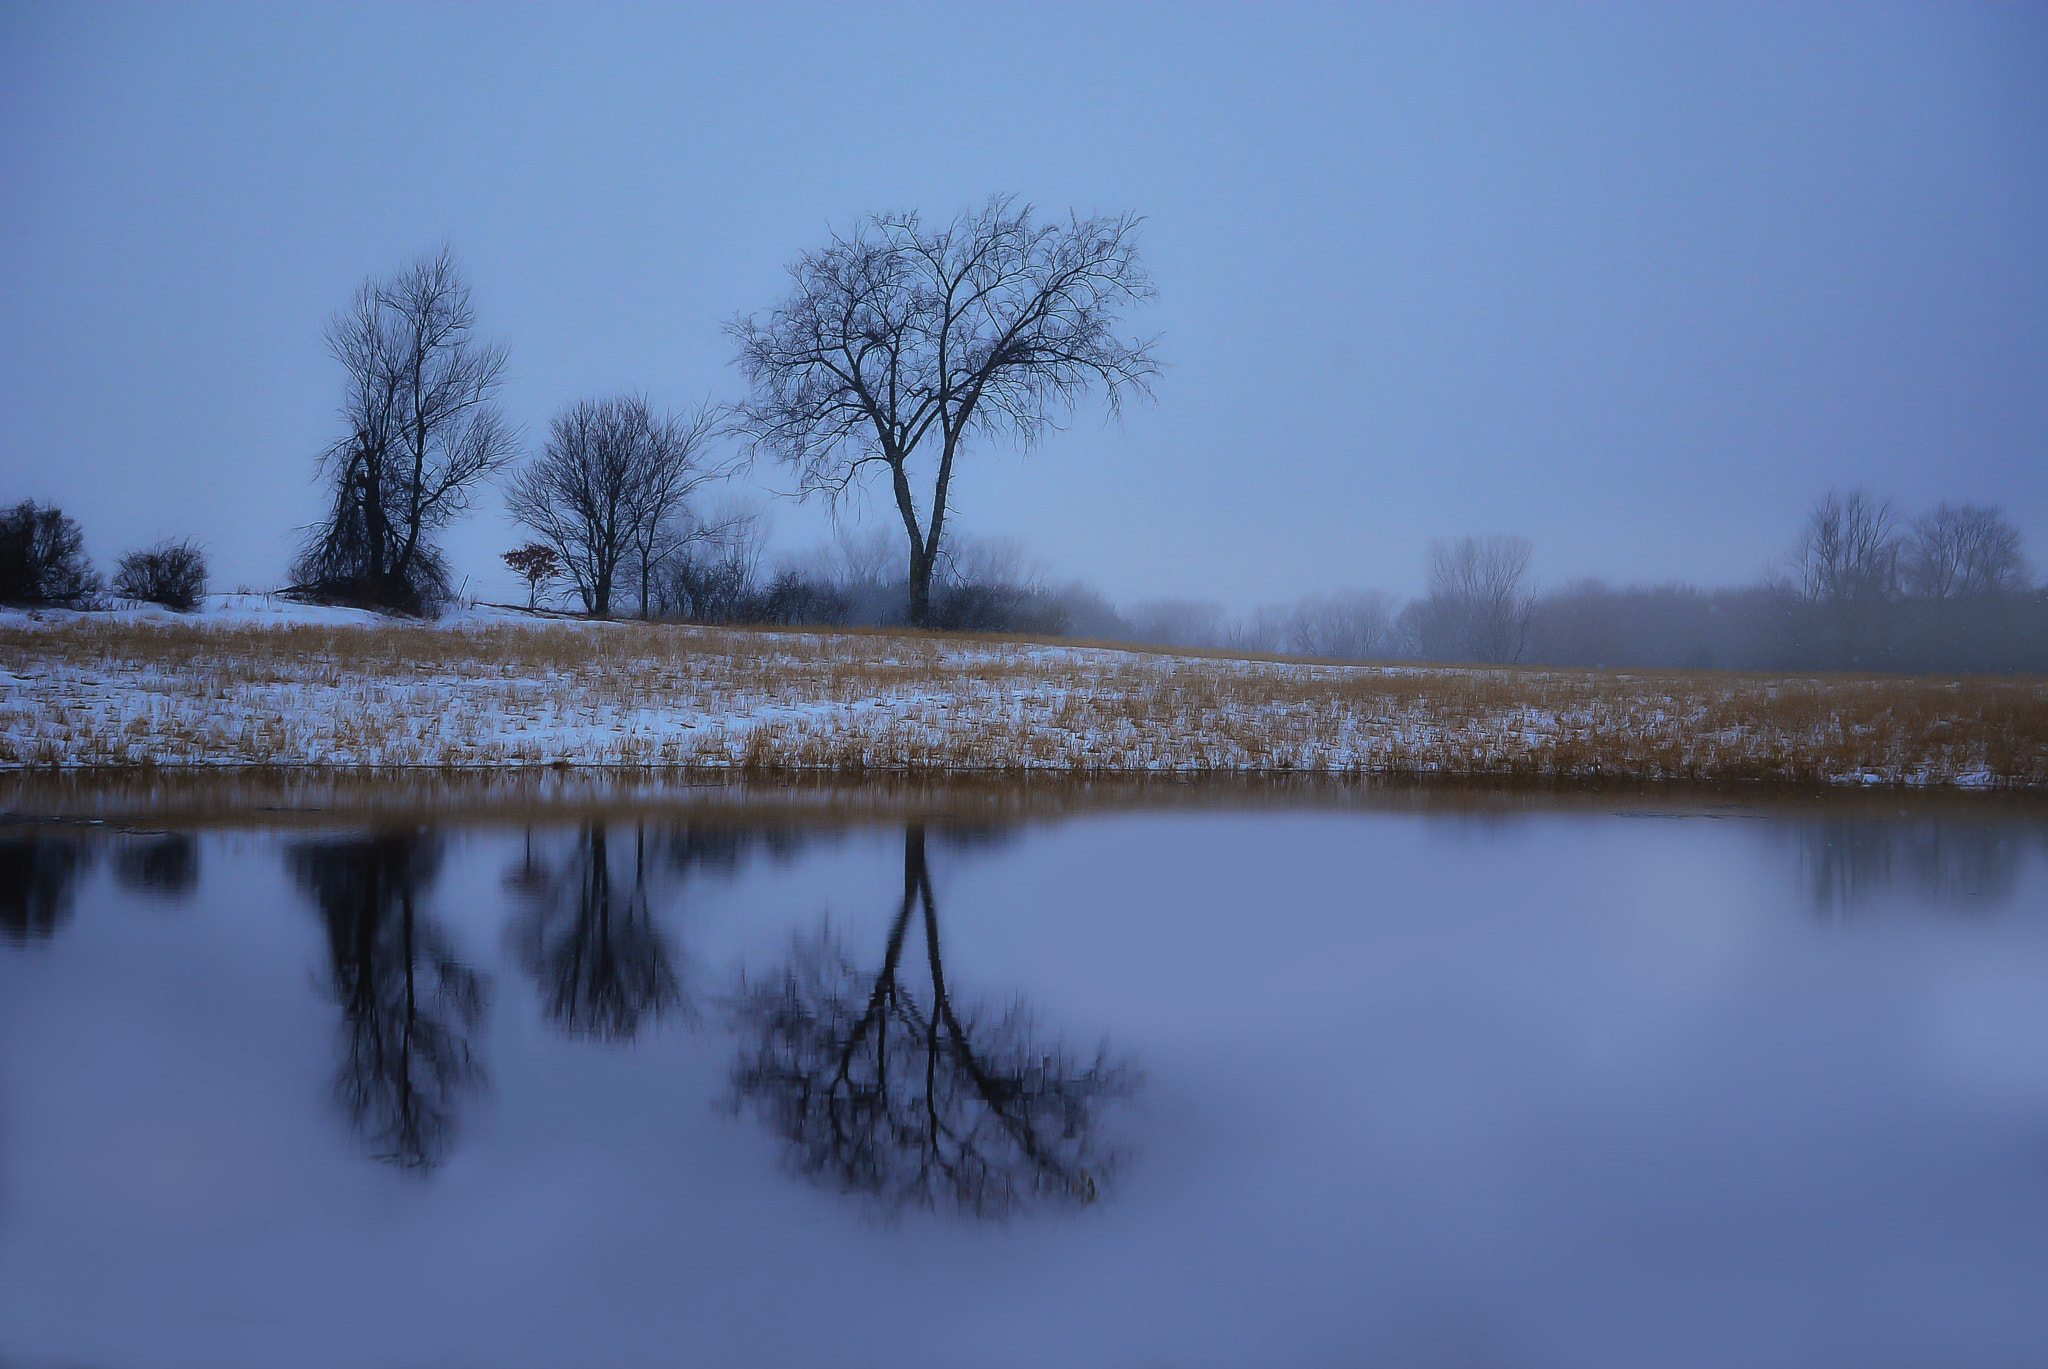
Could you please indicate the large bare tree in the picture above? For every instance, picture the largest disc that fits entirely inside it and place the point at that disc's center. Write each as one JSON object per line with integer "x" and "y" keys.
{"x": 901, "y": 342}
{"x": 421, "y": 431}
{"x": 610, "y": 492}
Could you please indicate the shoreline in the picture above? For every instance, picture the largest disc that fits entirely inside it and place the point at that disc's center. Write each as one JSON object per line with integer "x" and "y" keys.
{"x": 119, "y": 801}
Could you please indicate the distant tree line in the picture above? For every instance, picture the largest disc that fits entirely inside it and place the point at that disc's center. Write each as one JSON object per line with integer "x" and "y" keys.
{"x": 1865, "y": 589}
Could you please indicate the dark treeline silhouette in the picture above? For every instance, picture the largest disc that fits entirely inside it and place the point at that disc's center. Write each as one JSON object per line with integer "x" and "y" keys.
{"x": 409, "y": 1008}
{"x": 897, "y": 1090}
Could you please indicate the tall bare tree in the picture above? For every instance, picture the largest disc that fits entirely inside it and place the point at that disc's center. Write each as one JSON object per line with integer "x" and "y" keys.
{"x": 611, "y": 490}
{"x": 422, "y": 431}
{"x": 676, "y": 464}
{"x": 1845, "y": 581}
{"x": 901, "y": 341}
{"x": 1850, "y": 549}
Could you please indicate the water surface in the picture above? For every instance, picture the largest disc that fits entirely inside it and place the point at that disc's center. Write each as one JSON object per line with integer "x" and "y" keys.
{"x": 1543, "y": 1084}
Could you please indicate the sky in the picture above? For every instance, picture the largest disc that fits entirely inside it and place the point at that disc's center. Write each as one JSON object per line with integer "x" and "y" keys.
{"x": 1637, "y": 282}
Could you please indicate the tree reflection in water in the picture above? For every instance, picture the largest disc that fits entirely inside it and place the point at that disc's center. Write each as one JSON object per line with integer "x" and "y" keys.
{"x": 1967, "y": 863}
{"x": 603, "y": 966}
{"x": 39, "y": 876}
{"x": 925, "y": 1103}
{"x": 409, "y": 1008}
{"x": 167, "y": 866}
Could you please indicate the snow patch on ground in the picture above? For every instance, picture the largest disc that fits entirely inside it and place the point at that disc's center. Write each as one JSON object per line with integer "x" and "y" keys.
{"x": 487, "y": 686}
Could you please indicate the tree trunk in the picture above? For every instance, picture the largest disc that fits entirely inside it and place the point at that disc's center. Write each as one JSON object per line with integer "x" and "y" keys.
{"x": 920, "y": 587}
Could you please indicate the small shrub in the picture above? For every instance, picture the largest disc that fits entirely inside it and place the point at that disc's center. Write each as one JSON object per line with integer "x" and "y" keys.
{"x": 42, "y": 559}
{"x": 170, "y": 573}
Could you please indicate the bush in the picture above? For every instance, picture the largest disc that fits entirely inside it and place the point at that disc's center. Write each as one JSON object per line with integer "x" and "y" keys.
{"x": 170, "y": 573}
{"x": 980, "y": 606}
{"x": 42, "y": 559}
{"x": 791, "y": 599}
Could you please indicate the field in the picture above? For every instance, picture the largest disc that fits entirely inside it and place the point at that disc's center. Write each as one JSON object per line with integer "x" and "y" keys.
{"x": 257, "y": 683}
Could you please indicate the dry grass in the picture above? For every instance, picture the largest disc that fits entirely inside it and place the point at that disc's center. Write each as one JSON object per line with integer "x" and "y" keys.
{"x": 96, "y": 692}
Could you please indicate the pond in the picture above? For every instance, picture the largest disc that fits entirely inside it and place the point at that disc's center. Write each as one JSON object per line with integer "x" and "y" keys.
{"x": 1521, "y": 1080}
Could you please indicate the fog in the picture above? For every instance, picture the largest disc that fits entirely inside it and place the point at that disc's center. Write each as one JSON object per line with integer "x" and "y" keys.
{"x": 1640, "y": 287}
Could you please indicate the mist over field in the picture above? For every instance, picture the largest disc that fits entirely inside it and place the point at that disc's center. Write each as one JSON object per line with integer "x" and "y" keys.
{"x": 1636, "y": 292}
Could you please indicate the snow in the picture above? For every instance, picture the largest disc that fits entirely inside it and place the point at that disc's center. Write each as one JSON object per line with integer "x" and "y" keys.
{"x": 492, "y": 687}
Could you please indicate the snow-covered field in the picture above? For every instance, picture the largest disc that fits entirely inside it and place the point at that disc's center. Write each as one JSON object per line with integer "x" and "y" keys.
{"x": 254, "y": 680}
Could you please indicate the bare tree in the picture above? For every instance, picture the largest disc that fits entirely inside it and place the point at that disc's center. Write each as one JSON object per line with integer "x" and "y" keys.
{"x": 1850, "y": 550}
{"x": 1960, "y": 549}
{"x": 865, "y": 560}
{"x": 611, "y": 490}
{"x": 1846, "y": 574}
{"x": 1269, "y": 627}
{"x": 577, "y": 496}
{"x": 422, "y": 430}
{"x": 675, "y": 467}
{"x": 1479, "y": 604}
{"x": 1350, "y": 625}
{"x": 1178, "y": 622}
{"x": 899, "y": 340}
{"x": 715, "y": 577}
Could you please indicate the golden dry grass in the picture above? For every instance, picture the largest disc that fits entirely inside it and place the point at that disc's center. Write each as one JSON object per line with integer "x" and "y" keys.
{"x": 101, "y": 692}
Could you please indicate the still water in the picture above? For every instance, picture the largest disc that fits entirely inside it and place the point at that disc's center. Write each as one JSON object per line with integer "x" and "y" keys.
{"x": 1538, "y": 1087}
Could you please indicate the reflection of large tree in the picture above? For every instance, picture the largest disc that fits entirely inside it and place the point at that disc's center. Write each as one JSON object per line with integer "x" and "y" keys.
{"x": 38, "y": 879}
{"x": 408, "y": 1007}
{"x": 919, "y": 1100}
{"x": 603, "y": 966}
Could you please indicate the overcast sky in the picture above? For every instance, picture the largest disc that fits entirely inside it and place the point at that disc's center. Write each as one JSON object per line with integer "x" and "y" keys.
{"x": 1638, "y": 282}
